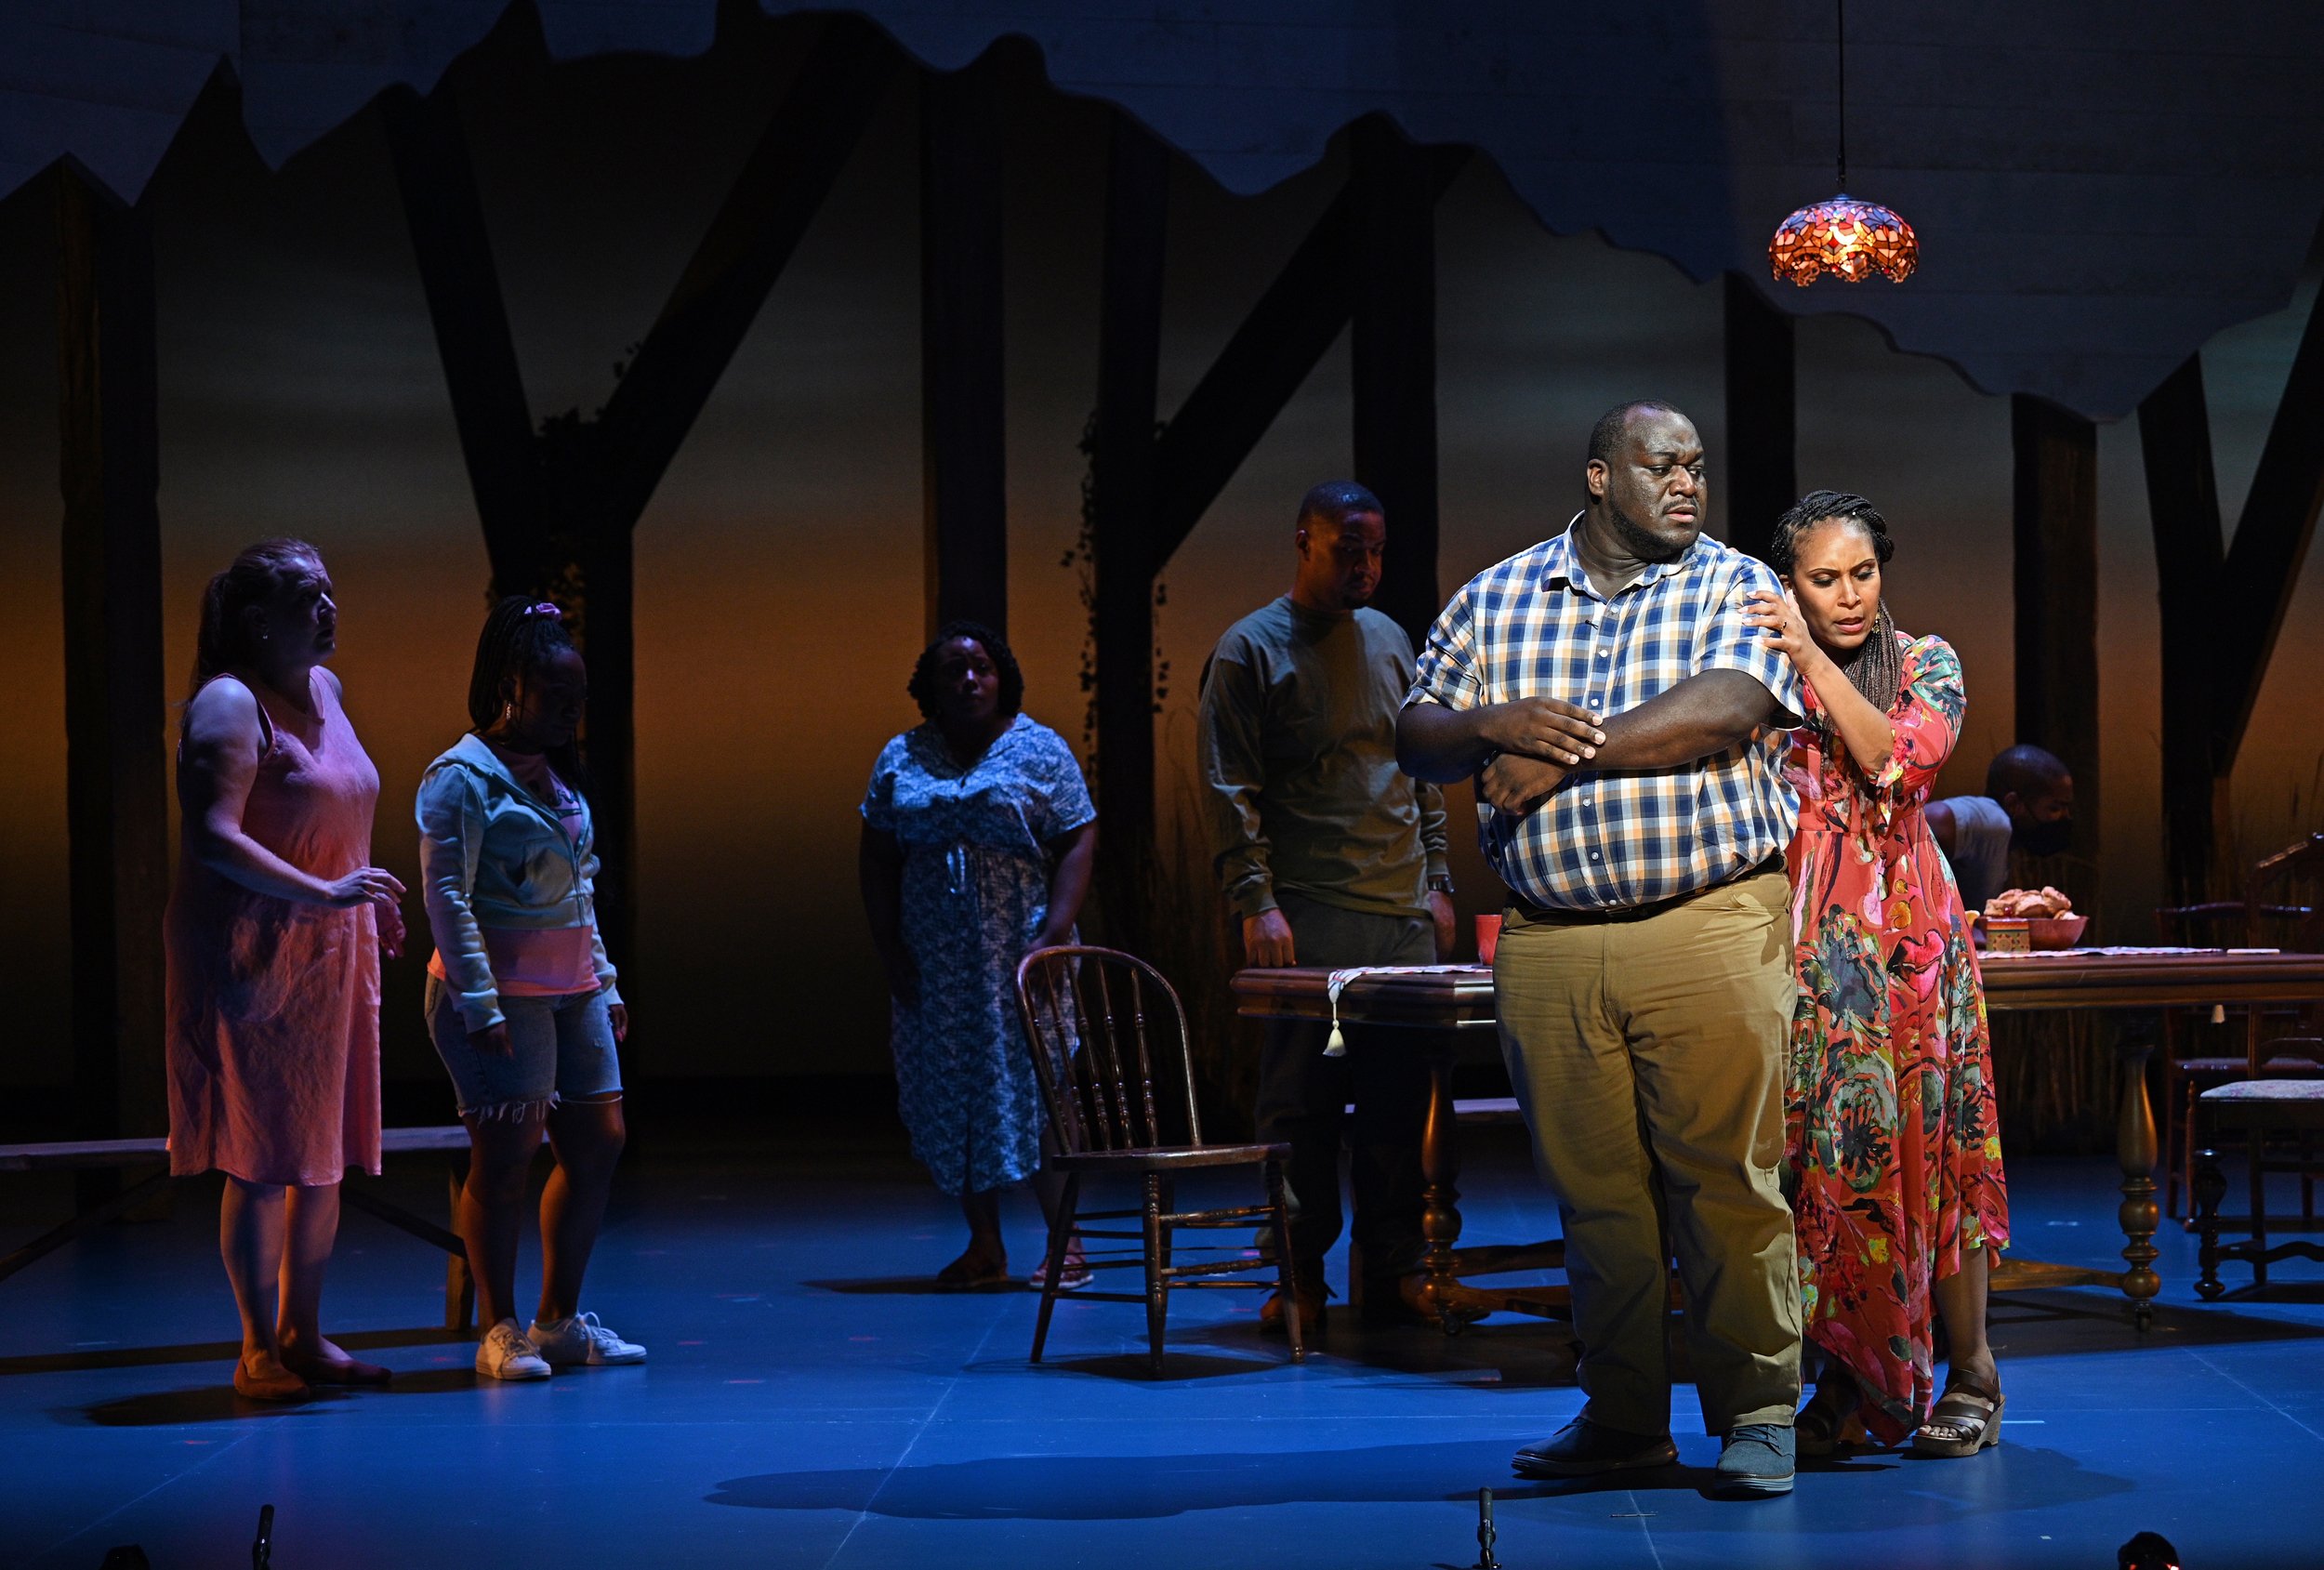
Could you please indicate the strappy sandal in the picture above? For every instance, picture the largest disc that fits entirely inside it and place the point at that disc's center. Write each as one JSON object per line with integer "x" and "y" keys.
{"x": 1965, "y": 1419}
{"x": 1072, "y": 1278}
{"x": 1828, "y": 1420}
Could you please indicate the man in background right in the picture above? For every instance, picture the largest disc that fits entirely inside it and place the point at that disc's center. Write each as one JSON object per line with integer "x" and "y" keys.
{"x": 2028, "y": 806}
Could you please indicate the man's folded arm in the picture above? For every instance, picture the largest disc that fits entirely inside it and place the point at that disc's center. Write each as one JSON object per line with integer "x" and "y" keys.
{"x": 1701, "y": 717}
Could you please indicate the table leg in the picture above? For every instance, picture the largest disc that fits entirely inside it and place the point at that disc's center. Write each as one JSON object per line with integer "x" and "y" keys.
{"x": 2139, "y": 1215}
{"x": 1440, "y": 1199}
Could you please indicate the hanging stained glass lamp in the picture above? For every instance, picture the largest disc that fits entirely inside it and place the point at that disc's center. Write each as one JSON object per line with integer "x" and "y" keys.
{"x": 1849, "y": 239}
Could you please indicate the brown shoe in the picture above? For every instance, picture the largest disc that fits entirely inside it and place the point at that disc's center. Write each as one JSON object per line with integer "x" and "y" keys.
{"x": 1310, "y": 1300}
{"x": 339, "y": 1371}
{"x": 279, "y": 1385}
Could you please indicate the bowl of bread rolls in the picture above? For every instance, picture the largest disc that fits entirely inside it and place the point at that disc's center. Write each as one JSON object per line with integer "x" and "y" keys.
{"x": 2021, "y": 919}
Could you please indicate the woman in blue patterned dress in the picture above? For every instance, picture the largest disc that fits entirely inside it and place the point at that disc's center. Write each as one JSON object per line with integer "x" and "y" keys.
{"x": 977, "y": 845}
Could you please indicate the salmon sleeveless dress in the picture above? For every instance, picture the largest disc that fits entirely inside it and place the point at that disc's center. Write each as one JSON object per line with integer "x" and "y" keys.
{"x": 273, "y": 1026}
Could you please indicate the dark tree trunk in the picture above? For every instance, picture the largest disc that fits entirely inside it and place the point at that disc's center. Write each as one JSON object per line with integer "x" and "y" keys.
{"x": 1763, "y": 438}
{"x": 1122, "y": 485}
{"x": 2183, "y": 501}
{"x": 446, "y": 216}
{"x": 963, "y": 430}
{"x": 1394, "y": 363}
{"x": 2222, "y": 606}
{"x": 2056, "y": 525}
{"x": 116, "y": 781}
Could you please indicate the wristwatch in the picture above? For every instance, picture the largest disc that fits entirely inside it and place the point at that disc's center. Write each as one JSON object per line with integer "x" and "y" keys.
{"x": 1440, "y": 883}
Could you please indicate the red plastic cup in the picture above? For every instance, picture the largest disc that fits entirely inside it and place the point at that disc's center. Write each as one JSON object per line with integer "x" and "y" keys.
{"x": 1488, "y": 938}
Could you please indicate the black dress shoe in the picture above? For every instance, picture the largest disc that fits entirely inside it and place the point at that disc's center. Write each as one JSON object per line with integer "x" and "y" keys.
{"x": 1583, "y": 1449}
{"x": 1394, "y": 1300}
{"x": 1311, "y": 1309}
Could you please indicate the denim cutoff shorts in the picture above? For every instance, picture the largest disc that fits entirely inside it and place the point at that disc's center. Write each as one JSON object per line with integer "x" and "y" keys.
{"x": 561, "y": 1050}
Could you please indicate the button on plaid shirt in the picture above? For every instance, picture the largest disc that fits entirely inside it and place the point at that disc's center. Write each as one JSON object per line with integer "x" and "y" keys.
{"x": 1533, "y": 627}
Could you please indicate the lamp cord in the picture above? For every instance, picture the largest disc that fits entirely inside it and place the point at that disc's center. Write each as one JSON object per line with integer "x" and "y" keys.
{"x": 1840, "y": 6}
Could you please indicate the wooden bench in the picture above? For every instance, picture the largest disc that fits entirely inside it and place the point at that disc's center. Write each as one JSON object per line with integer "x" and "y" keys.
{"x": 460, "y": 1292}
{"x": 1478, "y": 1109}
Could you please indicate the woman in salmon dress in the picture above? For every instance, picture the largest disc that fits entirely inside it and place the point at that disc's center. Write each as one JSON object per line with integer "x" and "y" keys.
{"x": 1891, "y": 1126}
{"x": 273, "y": 940}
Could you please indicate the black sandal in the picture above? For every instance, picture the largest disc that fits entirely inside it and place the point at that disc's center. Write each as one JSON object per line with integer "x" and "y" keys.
{"x": 1966, "y": 1418}
{"x": 1824, "y": 1423}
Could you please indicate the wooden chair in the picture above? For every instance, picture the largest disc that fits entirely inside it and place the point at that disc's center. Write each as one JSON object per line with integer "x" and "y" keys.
{"x": 1104, "y": 1029}
{"x": 2277, "y": 1103}
{"x": 2276, "y": 1043}
{"x": 2256, "y": 1108}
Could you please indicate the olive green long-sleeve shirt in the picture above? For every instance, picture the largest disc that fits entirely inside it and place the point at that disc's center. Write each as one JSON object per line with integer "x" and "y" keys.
{"x": 1298, "y": 751}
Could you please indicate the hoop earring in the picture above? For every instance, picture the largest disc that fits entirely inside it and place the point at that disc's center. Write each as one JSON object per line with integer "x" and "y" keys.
{"x": 508, "y": 712}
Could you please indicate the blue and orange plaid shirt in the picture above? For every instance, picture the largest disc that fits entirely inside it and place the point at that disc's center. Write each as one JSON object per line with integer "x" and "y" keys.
{"x": 1533, "y": 627}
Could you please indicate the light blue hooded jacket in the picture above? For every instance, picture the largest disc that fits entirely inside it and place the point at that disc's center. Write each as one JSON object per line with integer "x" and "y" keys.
{"x": 493, "y": 855}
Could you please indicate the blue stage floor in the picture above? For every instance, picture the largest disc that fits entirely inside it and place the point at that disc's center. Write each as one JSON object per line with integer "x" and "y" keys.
{"x": 809, "y": 1402}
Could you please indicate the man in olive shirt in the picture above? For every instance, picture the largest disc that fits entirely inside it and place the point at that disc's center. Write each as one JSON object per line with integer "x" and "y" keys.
{"x": 1332, "y": 856}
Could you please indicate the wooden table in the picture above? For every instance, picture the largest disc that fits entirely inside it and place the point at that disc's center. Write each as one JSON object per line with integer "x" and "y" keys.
{"x": 1461, "y": 999}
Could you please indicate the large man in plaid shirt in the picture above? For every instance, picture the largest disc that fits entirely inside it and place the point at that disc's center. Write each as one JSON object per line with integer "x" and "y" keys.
{"x": 1623, "y": 722}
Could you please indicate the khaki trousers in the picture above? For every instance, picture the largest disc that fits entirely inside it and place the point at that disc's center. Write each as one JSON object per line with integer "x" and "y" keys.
{"x": 1647, "y": 1054}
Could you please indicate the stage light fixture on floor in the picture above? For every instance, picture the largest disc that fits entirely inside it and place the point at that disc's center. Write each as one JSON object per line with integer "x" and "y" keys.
{"x": 1842, "y": 236}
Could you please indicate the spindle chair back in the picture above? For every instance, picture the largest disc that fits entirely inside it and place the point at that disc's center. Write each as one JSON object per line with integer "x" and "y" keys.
{"x": 1108, "y": 1038}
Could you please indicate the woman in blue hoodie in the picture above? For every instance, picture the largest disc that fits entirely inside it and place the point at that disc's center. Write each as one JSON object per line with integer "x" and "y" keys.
{"x": 520, "y": 997}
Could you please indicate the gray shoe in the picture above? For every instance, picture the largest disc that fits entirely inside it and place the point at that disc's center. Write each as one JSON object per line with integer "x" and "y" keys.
{"x": 1757, "y": 1460}
{"x": 1583, "y": 1448}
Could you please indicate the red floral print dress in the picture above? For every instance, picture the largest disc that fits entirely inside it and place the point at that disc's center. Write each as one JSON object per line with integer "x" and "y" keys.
{"x": 1889, "y": 1114}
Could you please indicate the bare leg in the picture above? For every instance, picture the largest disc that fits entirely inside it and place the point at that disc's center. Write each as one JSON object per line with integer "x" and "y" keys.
{"x": 311, "y": 1227}
{"x": 250, "y": 1241}
{"x": 1961, "y": 1302}
{"x": 492, "y": 1209}
{"x": 1048, "y": 1190}
{"x": 587, "y": 1137}
{"x": 986, "y": 1255}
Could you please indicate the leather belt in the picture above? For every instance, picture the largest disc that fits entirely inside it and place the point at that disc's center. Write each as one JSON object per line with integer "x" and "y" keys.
{"x": 1532, "y": 911}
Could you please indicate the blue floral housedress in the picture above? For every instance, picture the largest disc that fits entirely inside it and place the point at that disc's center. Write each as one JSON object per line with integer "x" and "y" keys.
{"x": 976, "y": 878}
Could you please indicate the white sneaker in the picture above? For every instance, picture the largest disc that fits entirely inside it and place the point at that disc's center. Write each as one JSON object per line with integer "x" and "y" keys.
{"x": 580, "y": 1339}
{"x": 505, "y": 1353}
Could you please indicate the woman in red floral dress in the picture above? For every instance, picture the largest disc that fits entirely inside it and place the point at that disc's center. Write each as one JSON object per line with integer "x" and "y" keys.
{"x": 1889, "y": 1116}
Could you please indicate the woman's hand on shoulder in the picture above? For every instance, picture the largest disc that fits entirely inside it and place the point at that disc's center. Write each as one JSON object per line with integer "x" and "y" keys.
{"x": 1778, "y": 615}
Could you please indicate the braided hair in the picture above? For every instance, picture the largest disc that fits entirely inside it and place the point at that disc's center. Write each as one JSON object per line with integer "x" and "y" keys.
{"x": 1876, "y": 668}
{"x": 520, "y": 636}
{"x": 253, "y": 578}
{"x": 923, "y": 684}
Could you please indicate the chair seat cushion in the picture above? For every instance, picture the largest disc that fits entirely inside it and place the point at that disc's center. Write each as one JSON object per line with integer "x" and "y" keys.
{"x": 1171, "y": 1157}
{"x": 2265, "y": 1091}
